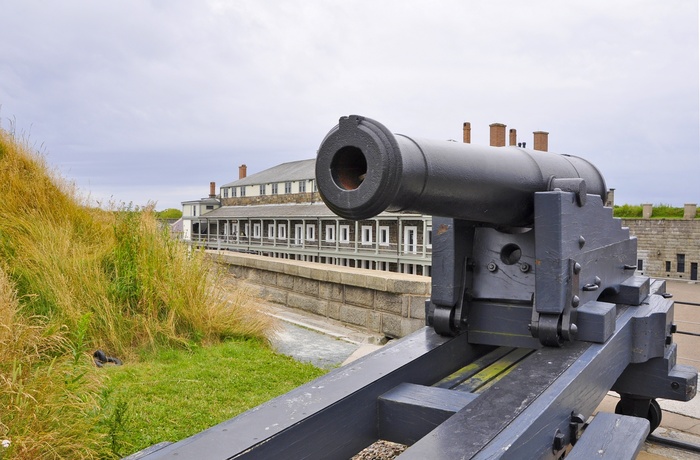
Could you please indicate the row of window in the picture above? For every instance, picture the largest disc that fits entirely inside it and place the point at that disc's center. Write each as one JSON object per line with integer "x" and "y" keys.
{"x": 343, "y": 233}
{"x": 680, "y": 264}
{"x": 234, "y": 192}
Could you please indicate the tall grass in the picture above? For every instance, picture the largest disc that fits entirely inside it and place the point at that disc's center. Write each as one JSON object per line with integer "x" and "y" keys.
{"x": 116, "y": 269}
{"x": 48, "y": 401}
{"x": 75, "y": 278}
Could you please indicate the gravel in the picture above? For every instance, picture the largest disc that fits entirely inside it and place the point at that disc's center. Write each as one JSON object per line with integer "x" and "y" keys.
{"x": 380, "y": 450}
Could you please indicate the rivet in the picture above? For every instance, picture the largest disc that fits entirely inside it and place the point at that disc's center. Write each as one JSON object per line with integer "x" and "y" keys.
{"x": 581, "y": 241}
{"x": 577, "y": 268}
{"x": 575, "y": 301}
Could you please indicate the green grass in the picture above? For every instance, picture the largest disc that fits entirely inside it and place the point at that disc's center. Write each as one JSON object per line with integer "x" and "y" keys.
{"x": 659, "y": 211}
{"x": 174, "y": 394}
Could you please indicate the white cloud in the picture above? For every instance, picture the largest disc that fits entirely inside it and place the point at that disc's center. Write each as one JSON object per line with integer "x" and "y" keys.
{"x": 163, "y": 95}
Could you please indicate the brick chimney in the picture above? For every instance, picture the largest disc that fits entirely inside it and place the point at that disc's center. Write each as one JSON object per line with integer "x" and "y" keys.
{"x": 513, "y": 137}
{"x": 212, "y": 189}
{"x": 541, "y": 140}
{"x": 242, "y": 171}
{"x": 498, "y": 135}
{"x": 467, "y": 133}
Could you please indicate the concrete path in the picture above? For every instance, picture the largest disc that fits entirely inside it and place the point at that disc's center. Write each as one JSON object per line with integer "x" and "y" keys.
{"x": 321, "y": 341}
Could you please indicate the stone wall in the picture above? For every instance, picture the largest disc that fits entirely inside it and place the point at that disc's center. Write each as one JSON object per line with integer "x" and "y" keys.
{"x": 660, "y": 242}
{"x": 392, "y": 304}
{"x": 285, "y": 198}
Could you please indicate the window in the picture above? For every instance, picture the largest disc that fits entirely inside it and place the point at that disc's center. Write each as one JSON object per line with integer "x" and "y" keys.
{"x": 668, "y": 265}
{"x": 313, "y": 186}
{"x": 680, "y": 263}
{"x": 344, "y": 236}
{"x": 287, "y": 187}
{"x": 282, "y": 231}
{"x": 410, "y": 243}
{"x": 262, "y": 189}
{"x": 366, "y": 234}
{"x": 271, "y": 231}
{"x": 274, "y": 188}
{"x": 330, "y": 233}
{"x": 233, "y": 191}
{"x": 640, "y": 264}
{"x": 302, "y": 186}
{"x": 194, "y": 209}
{"x": 298, "y": 234}
{"x": 384, "y": 235}
{"x": 243, "y": 190}
{"x": 234, "y": 228}
{"x": 429, "y": 242}
{"x": 210, "y": 207}
{"x": 225, "y": 190}
{"x": 256, "y": 230}
{"x": 310, "y": 232}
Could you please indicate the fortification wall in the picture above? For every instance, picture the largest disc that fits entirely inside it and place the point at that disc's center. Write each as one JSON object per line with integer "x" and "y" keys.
{"x": 392, "y": 304}
{"x": 663, "y": 243}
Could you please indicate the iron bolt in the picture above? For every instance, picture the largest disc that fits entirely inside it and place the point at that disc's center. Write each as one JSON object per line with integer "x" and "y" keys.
{"x": 524, "y": 267}
{"x": 559, "y": 442}
{"x": 675, "y": 385}
{"x": 492, "y": 267}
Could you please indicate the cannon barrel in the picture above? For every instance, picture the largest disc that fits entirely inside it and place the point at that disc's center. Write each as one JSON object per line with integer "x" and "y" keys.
{"x": 362, "y": 169}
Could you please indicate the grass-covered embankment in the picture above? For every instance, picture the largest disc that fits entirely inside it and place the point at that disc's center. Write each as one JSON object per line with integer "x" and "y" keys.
{"x": 75, "y": 278}
{"x": 659, "y": 211}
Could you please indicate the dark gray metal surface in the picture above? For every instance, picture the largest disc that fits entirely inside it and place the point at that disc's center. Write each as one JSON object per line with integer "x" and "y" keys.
{"x": 611, "y": 437}
{"x": 409, "y": 412}
{"x": 363, "y": 169}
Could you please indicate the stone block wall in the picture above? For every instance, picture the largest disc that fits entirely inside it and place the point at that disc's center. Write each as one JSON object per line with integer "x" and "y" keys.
{"x": 392, "y": 304}
{"x": 284, "y": 198}
{"x": 660, "y": 242}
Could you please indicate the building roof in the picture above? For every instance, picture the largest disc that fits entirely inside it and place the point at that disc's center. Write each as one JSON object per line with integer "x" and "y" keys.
{"x": 205, "y": 200}
{"x": 292, "y": 171}
{"x": 281, "y": 211}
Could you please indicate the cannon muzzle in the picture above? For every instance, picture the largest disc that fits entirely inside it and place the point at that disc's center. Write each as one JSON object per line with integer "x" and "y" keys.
{"x": 362, "y": 169}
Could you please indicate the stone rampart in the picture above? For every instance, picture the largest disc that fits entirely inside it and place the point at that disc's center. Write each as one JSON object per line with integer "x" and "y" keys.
{"x": 392, "y": 304}
{"x": 667, "y": 248}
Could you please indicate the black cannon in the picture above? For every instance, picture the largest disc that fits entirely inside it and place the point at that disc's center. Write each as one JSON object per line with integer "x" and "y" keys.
{"x": 523, "y": 247}
{"x": 533, "y": 285}
{"x": 362, "y": 169}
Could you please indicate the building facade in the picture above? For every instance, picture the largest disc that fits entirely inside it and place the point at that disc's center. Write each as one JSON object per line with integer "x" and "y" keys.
{"x": 279, "y": 213}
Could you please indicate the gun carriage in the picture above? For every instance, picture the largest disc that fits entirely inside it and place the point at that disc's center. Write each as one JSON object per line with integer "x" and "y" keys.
{"x": 530, "y": 272}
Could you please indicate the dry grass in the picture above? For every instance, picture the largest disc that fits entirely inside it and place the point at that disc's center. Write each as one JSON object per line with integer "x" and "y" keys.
{"x": 75, "y": 278}
{"x": 42, "y": 388}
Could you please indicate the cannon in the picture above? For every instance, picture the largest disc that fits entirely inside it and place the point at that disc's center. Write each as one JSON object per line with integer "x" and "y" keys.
{"x": 523, "y": 250}
{"x": 535, "y": 314}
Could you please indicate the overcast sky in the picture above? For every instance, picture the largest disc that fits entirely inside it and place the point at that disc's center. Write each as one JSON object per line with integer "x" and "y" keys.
{"x": 141, "y": 101}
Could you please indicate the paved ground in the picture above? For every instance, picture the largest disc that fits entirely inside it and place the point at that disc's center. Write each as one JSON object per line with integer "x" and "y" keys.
{"x": 329, "y": 344}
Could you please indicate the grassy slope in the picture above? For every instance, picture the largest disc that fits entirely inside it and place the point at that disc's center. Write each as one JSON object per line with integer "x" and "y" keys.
{"x": 75, "y": 278}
